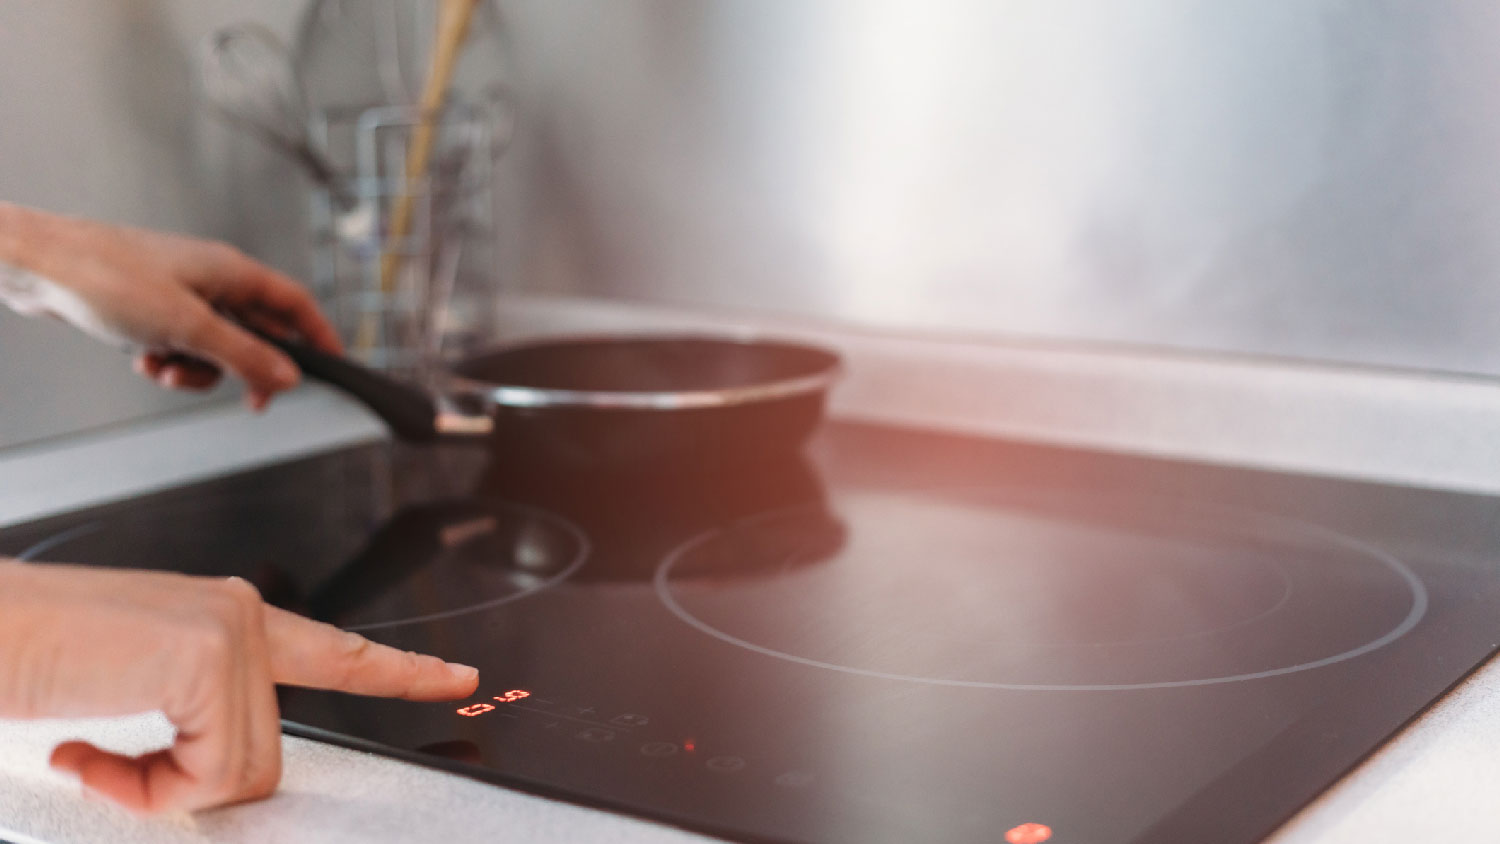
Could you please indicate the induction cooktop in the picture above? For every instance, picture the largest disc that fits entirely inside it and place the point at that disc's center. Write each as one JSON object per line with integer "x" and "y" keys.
{"x": 896, "y": 636}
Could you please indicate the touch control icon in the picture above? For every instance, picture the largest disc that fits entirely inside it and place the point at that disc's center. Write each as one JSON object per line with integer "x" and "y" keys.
{"x": 725, "y": 764}
{"x": 658, "y": 749}
{"x": 1028, "y": 833}
{"x": 795, "y": 779}
{"x": 596, "y": 734}
{"x": 630, "y": 720}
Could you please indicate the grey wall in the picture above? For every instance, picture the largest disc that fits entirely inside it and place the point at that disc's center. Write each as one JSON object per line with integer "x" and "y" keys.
{"x": 1317, "y": 178}
{"x": 98, "y": 118}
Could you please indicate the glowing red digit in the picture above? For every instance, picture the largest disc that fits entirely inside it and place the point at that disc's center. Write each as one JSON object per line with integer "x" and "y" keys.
{"x": 512, "y": 696}
{"x": 476, "y": 709}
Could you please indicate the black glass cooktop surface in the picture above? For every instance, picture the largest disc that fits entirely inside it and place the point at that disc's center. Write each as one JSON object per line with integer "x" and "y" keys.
{"x": 899, "y": 636}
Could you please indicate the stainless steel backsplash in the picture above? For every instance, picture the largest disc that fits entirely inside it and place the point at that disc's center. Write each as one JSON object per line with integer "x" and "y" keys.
{"x": 1318, "y": 178}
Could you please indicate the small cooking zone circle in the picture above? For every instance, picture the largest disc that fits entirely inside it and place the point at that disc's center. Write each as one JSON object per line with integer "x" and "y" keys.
{"x": 424, "y": 563}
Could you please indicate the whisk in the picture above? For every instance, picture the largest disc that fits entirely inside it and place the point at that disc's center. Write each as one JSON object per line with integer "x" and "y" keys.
{"x": 247, "y": 75}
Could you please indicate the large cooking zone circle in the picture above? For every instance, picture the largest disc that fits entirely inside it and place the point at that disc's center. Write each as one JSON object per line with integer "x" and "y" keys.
{"x": 421, "y": 564}
{"x": 1011, "y": 589}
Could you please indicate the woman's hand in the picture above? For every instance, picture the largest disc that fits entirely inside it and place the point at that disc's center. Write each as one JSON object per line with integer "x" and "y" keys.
{"x": 78, "y": 641}
{"x": 164, "y": 296}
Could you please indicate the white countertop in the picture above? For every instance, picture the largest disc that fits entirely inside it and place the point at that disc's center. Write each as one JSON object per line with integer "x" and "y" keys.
{"x": 1435, "y": 782}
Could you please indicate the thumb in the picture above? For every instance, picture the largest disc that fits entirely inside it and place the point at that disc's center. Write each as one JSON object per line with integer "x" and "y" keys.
{"x": 144, "y": 784}
{"x": 265, "y": 369}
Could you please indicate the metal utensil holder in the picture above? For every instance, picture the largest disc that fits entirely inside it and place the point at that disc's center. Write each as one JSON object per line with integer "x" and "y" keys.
{"x": 406, "y": 323}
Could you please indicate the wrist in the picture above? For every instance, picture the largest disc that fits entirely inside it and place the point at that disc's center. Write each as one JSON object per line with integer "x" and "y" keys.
{"x": 14, "y": 589}
{"x": 25, "y": 240}
{"x": 11, "y": 573}
{"x": 14, "y": 635}
{"x": 11, "y": 590}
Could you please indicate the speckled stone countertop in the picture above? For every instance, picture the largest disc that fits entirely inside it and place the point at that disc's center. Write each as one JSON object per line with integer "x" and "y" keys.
{"x": 1435, "y": 781}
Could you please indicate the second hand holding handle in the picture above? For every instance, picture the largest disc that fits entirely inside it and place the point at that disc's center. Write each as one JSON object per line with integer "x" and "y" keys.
{"x": 411, "y": 414}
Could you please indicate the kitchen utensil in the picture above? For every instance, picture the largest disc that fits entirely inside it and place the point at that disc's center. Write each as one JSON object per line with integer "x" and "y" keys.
{"x": 450, "y": 244}
{"x": 606, "y": 401}
{"x": 449, "y": 228}
{"x": 247, "y": 75}
{"x": 453, "y": 28}
{"x": 364, "y": 65}
{"x": 353, "y": 55}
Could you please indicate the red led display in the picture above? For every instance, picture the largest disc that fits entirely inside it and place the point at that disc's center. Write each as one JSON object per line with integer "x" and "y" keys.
{"x": 480, "y": 708}
{"x": 1028, "y": 833}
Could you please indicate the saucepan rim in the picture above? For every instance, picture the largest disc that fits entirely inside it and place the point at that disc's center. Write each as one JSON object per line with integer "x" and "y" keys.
{"x": 825, "y": 368}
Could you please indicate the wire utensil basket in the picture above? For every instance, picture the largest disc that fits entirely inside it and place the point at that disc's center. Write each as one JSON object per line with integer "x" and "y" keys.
{"x": 408, "y": 321}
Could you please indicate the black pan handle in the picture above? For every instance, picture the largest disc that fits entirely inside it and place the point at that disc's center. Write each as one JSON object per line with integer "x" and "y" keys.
{"x": 410, "y": 413}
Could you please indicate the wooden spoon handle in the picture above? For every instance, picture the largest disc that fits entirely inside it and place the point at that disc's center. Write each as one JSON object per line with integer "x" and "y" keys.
{"x": 454, "y": 17}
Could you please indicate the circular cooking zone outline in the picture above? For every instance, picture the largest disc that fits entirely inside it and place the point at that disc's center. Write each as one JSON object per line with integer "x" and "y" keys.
{"x": 34, "y": 552}
{"x": 563, "y": 573}
{"x": 663, "y": 584}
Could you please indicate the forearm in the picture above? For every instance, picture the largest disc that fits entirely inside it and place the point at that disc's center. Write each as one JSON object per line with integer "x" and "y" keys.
{"x": 18, "y": 635}
{"x": 20, "y": 236}
{"x": 22, "y": 283}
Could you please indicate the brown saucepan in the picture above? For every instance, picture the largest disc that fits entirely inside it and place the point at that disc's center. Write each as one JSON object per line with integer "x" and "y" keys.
{"x": 622, "y": 400}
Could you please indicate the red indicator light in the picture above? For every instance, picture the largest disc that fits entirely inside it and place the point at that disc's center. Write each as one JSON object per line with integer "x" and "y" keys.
{"x": 1028, "y": 833}
{"x": 512, "y": 696}
{"x": 476, "y": 709}
{"x": 688, "y": 746}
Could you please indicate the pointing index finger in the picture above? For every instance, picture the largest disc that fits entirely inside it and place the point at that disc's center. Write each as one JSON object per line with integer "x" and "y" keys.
{"x": 321, "y": 656}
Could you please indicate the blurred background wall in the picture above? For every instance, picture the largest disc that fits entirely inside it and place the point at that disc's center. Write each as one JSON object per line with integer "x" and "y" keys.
{"x": 1316, "y": 179}
{"x": 98, "y": 118}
